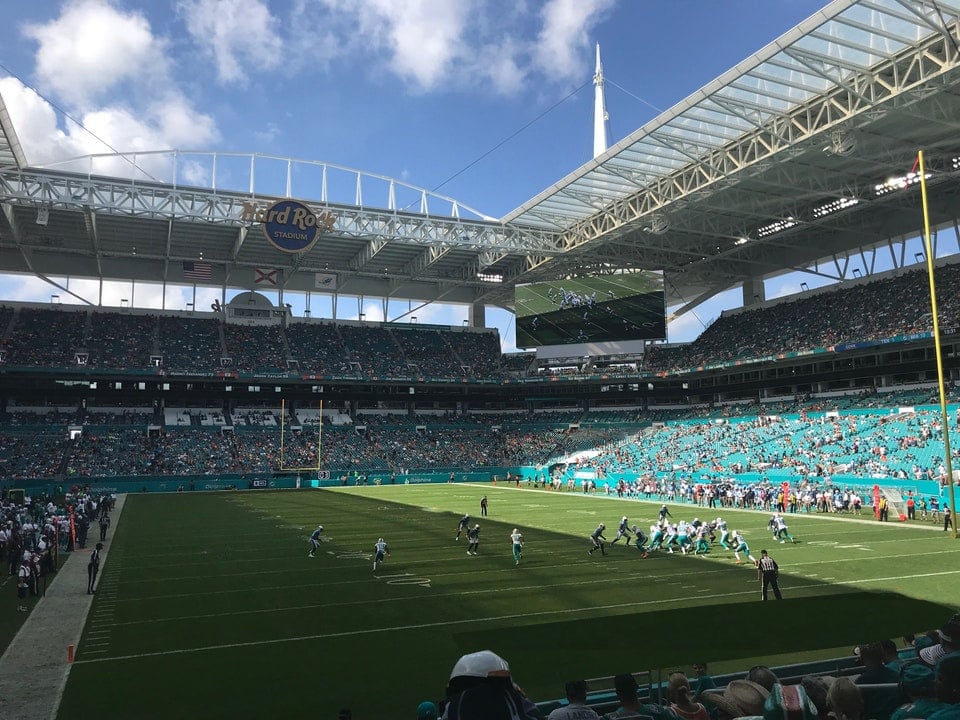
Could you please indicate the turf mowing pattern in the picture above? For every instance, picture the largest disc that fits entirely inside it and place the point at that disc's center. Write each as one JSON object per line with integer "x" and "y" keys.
{"x": 211, "y": 608}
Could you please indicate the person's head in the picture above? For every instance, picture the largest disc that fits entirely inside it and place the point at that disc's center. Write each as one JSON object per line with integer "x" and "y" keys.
{"x": 763, "y": 553}
{"x": 917, "y": 680}
{"x": 844, "y": 701}
{"x": 625, "y": 686}
{"x": 762, "y": 675}
{"x": 700, "y": 669}
{"x": 888, "y": 649}
{"x": 948, "y": 680}
{"x": 576, "y": 691}
{"x": 99, "y": 546}
{"x": 816, "y": 688}
{"x": 427, "y": 711}
{"x": 678, "y": 688}
{"x": 871, "y": 655}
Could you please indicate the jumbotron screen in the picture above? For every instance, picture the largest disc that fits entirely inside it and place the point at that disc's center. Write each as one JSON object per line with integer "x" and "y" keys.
{"x": 591, "y": 309}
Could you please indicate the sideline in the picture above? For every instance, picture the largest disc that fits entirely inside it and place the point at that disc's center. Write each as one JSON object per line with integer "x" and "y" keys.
{"x": 836, "y": 517}
{"x": 34, "y": 669}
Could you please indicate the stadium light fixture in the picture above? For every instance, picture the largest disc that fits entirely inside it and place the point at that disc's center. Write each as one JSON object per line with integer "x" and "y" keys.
{"x": 490, "y": 277}
{"x": 955, "y": 163}
{"x": 776, "y": 227}
{"x": 742, "y": 241}
{"x": 833, "y": 206}
{"x": 898, "y": 183}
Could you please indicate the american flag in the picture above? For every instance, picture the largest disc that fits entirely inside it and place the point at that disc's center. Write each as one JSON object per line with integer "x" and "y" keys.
{"x": 197, "y": 271}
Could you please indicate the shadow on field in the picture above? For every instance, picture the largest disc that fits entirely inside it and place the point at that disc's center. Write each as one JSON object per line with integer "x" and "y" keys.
{"x": 671, "y": 638}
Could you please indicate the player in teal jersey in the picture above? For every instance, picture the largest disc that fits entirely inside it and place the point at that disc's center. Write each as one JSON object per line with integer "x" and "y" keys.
{"x": 656, "y": 537}
{"x": 381, "y": 551}
{"x": 517, "y": 539}
{"x": 703, "y": 545}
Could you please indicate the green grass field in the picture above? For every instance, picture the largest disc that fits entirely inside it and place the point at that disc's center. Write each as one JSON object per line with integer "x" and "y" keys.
{"x": 209, "y": 606}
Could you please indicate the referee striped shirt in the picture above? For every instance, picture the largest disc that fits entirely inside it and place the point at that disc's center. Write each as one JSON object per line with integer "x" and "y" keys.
{"x": 767, "y": 564}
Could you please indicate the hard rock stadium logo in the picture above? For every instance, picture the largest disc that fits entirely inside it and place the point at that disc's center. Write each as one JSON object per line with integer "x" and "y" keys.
{"x": 289, "y": 225}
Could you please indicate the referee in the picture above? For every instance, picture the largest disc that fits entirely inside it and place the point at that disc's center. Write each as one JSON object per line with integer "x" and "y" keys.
{"x": 767, "y": 570}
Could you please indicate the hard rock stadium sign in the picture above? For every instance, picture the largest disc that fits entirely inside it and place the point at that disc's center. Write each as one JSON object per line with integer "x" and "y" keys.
{"x": 289, "y": 225}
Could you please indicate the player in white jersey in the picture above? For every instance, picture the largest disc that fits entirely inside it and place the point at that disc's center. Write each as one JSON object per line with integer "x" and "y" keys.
{"x": 724, "y": 533}
{"x": 473, "y": 537}
{"x": 781, "y": 532}
{"x": 623, "y": 531}
{"x": 740, "y": 546}
{"x": 381, "y": 551}
{"x": 516, "y": 538}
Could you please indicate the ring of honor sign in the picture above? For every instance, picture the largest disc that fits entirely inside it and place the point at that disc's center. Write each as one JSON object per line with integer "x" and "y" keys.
{"x": 289, "y": 225}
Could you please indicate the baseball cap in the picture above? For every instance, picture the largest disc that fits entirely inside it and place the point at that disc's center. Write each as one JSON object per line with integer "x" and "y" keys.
{"x": 950, "y": 632}
{"x": 426, "y": 711}
{"x": 485, "y": 663}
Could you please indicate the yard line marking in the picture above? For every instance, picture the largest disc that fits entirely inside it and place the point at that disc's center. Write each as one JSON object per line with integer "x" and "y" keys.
{"x": 467, "y": 621}
{"x": 412, "y": 563}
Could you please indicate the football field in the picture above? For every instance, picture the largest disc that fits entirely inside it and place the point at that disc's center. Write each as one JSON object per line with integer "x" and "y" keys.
{"x": 209, "y": 606}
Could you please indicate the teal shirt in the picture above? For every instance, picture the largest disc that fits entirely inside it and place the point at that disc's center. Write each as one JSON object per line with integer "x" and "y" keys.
{"x": 920, "y": 708}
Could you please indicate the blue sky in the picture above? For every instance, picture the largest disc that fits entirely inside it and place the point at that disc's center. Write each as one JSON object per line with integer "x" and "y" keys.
{"x": 419, "y": 90}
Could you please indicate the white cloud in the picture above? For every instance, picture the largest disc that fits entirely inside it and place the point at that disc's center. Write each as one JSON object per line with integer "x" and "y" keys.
{"x": 112, "y": 74}
{"x": 165, "y": 124}
{"x": 422, "y": 38}
{"x": 239, "y": 35}
{"x": 435, "y": 45}
{"x": 565, "y": 34}
{"x": 91, "y": 48}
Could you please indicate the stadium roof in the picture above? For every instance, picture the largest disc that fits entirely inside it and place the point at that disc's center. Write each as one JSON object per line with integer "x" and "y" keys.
{"x": 781, "y": 163}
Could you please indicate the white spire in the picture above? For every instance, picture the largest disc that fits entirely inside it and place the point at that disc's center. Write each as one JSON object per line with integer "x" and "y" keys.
{"x": 599, "y": 110}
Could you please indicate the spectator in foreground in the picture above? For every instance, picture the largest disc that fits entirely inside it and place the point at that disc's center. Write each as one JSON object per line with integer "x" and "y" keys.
{"x": 880, "y": 703}
{"x": 762, "y": 675}
{"x": 844, "y": 701}
{"x": 949, "y": 641}
{"x": 427, "y": 711}
{"x": 625, "y": 686}
{"x": 917, "y": 683}
{"x": 948, "y": 689}
{"x": 481, "y": 688}
{"x": 576, "y": 709}
{"x": 681, "y": 699}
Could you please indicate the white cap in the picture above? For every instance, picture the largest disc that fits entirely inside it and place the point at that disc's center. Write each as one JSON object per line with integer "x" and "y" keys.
{"x": 485, "y": 663}
{"x": 379, "y": 539}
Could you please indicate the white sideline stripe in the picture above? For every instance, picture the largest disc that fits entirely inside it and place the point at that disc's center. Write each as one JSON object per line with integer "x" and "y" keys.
{"x": 447, "y": 623}
{"x": 413, "y": 564}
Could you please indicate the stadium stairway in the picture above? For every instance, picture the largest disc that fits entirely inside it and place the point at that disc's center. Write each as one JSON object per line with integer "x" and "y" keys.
{"x": 34, "y": 668}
